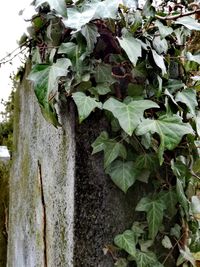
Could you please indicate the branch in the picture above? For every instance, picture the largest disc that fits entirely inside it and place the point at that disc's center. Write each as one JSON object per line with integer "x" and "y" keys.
{"x": 178, "y": 16}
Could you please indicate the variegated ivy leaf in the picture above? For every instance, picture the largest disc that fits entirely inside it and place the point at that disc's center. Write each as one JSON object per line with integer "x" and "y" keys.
{"x": 171, "y": 129}
{"x": 85, "y": 104}
{"x": 189, "y": 23}
{"x": 129, "y": 115}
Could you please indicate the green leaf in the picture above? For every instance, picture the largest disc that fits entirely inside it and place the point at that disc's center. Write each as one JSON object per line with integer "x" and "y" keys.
{"x": 181, "y": 196}
{"x": 85, "y": 105}
{"x": 148, "y": 9}
{"x": 90, "y": 33}
{"x": 127, "y": 242}
{"x": 58, "y": 5}
{"x": 128, "y": 115}
{"x": 132, "y": 47}
{"x": 45, "y": 79}
{"x": 176, "y": 231}
{"x": 160, "y": 45}
{"x": 103, "y": 74}
{"x": 171, "y": 129}
{"x": 189, "y": 23}
{"x": 99, "y": 144}
{"x": 188, "y": 97}
{"x": 164, "y": 30}
{"x": 195, "y": 58}
{"x": 159, "y": 60}
{"x": 113, "y": 150}
{"x": 68, "y": 48}
{"x": 121, "y": 263}
{"x": 166, "y": 242}
{"x": 154, "y": 210}
{"x": 100, "y": 89}
{"x": 147, "y": 161}
{"x": 145, "y": 259}
{"x": 169, "y": 198}
{"x": 123, "y": 174}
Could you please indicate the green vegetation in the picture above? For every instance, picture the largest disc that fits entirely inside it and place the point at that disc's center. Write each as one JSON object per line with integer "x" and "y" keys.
{"x": 138, "y": 66}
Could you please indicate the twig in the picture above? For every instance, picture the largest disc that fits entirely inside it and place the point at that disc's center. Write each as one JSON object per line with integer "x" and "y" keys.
{"x": 178, "y": 16}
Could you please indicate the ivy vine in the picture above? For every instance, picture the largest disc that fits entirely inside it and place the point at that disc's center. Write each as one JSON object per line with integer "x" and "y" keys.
{"x": 137, "y": 64}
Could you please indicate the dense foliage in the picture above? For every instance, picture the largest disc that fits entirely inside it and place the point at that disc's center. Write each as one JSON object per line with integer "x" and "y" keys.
{"x": 138, "y": 64}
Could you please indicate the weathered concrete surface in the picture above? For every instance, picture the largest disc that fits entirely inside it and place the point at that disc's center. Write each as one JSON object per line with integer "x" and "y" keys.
{"x": 41, "y": 188}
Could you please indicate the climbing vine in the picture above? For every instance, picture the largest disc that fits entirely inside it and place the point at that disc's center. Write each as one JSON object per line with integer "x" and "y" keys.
{"x": 138, "y": 64}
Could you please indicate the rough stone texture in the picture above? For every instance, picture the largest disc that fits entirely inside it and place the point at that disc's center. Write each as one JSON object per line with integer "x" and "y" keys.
{"x": 41, "y": 188}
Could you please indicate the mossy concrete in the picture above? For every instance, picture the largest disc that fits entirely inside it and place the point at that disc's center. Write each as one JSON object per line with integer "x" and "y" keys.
{"x": 41, "y": 187}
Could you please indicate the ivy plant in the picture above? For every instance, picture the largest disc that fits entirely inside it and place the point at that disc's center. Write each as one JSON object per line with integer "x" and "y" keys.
{"x": 136, "y": 64}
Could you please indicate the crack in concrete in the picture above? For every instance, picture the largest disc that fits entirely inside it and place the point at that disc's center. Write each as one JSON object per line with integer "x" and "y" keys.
{"x": 44, "y": 215}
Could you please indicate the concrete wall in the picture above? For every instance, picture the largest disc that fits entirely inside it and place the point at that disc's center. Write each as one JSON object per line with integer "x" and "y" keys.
{"x": 63, "y": 209}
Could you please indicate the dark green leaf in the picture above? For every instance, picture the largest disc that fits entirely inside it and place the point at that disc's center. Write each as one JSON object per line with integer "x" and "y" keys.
{"x": 58, "y": 5}
{"x": 99, "y": 144}
{"x": 188, "y": 97}
{"x": 90, "y": 33}
{"x": 129, "y": 115}
{"x": 113, "y": 150}
{"x": 171, "y": 129}
{"x": 85, "y": 104}
{"x": 123, "y": 174}
{"x": 132, "y": 47}
{"x": 103, "y": 74}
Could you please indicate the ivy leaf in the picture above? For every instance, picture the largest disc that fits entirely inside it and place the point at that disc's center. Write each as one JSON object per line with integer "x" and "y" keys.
{"x": 123, "y": 174}
{"x": 45, "y": 79}
{"x": 171, "y": 129}
{"x": 154, "y": 210}
{"x": 170, "y": 199}
{"x": 164, "y": 30}
{"x": 126, "y": 241}
{"x": 160, "y": 45}
{"x": 112, "y": 150}
{"x": 189, "y": 23}
{"x": 121, "y": 263}
{"x": 90, "y": 33}
{"x": 85, "y": 104}
{"x": 159, "y": 61}
{"x": 100, "y": 89}
{"x": 103, "y": 74}
{"x": 58, "y": 5}
{"x": 188, "y": 97}
{"x": 181, "y": 196}
{"x": 99, "y": 144}
{"x": 68, "y": 48}
{"x": 145, "y": 259}
{"x": 195, "y": 58}
{"x": 129, "y": 115}
{"x": 78, "y": 19}
{"x": 148, "y": 9}
{"x": 132, "y": 47}
{"x": 166, "y": 242}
